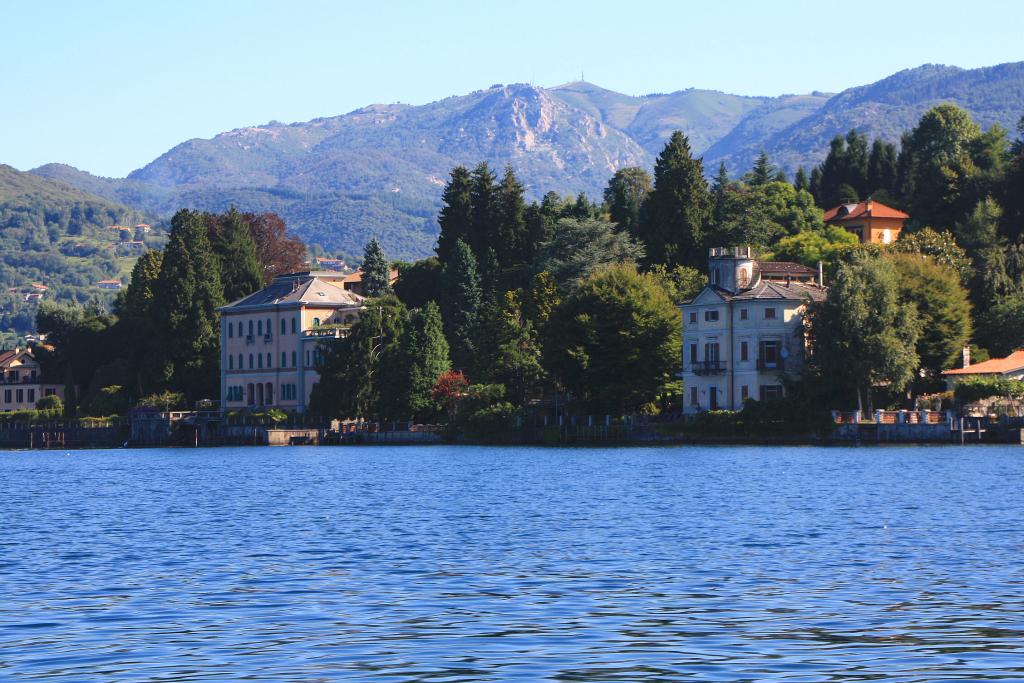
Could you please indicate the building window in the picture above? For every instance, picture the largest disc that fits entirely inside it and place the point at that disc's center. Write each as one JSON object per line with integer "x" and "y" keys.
{"x": 283, "y": 328}
{"x": 744, "y": 393}
{"x": 768, "y": 353}
{"x": 259, "y": 360}
{"x": 711, "y": 352}
{"x": 693, "y": 354}
{"x": 293, "y": 359}
{"x": 715, "y": 276}
{"x": 231, "y": 330}
{"x": 743, "y": 314}
{"x": 269, "y": 394}
{"x": 284, "y": 359}
{"x": 295, "y": 325}
{"x": 693, "y": 396}
{"x": 270, "y": 328}
{"x": 240, "y": 363}
{"x": 270, "y": 361}
{"x": 231, "y": 362}
{"x": 769, "y": 314}
{"x": 316, "y": 322}
{"x": 259, "y": 328}
{"x": 21, "y": 396}
{"x": 307, "y": 358}
{"x": 31, "y": 395}
{"x": 711, "y": 316}
{"x": 743, "y": 350}
{"x": 250, "y": 361}
{"x": 771, "y": 392}
{"x": 7, "y": 395}
{"x": 250, "y": 328}
{"x": 693, "y": 317}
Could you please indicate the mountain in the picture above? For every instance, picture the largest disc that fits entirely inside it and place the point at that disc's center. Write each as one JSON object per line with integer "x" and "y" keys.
{"x": 55, "y": 243}
{"x": 378, "y": 171}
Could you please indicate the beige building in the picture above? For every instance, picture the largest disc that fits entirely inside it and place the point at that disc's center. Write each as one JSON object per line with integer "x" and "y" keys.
{"x": 745, "y": 330}
{"x": 21, "y": 382}
{"x": 270, "y": 340}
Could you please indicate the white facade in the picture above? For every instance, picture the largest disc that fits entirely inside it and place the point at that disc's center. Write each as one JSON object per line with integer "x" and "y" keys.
{"x": 21, "y": 384}
{"x": 270, "y": 340}
{"x": 744, "y": 332}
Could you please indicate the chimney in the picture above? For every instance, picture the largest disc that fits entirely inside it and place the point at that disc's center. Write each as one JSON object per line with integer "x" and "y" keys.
{"x": 967, "y": 356}
{"x": 821, "y": 274}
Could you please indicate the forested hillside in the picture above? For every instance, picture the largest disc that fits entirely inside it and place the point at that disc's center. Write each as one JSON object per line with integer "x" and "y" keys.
{"x": 55, "y": 244}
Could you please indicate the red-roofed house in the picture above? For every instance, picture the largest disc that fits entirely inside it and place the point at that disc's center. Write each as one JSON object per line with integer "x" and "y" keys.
{"x": 354, "y": 281}
{"x": 869, "y": 220}
{"x": 1011, "y": 367}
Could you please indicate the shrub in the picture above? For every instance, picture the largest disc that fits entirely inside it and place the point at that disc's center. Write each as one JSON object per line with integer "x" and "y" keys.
{"x": 51, "y": 402}
{"x": 971, "y": 389}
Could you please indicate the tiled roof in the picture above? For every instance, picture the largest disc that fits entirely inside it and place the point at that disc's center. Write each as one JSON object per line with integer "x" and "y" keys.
{"x": 796, "y": 291}
{"x": 996, "y": 366}
{"x": 784, "y": 268}
{"x": 309, "y": 291}
{"x": 8, "y": 355}
{"x": 866, "y": 209}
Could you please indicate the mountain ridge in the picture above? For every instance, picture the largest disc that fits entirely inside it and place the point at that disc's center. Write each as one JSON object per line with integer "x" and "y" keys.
{"x": 377, "y": 170}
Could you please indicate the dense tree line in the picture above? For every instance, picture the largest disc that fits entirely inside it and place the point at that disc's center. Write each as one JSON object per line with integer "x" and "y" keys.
{"x": 163, "y": 334}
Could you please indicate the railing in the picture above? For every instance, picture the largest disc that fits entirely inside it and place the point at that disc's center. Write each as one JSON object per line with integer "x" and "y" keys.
{"x": 336, "y": 333}
{"x": 708, "y": 367}
{"x": 249, "y": 339}
{"x": 267, "y": 338}
{"x": 11, "y": 381}
{"x": 778, "y": 364}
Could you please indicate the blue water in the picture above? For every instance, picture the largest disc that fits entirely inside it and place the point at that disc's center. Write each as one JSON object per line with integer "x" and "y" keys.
{"x": 469, "y": 564}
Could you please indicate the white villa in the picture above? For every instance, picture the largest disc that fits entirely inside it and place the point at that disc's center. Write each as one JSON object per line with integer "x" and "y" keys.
{"x": 271, "y": 338}
{"x": 21, "y": 381}
{"x": 745, "y": 330}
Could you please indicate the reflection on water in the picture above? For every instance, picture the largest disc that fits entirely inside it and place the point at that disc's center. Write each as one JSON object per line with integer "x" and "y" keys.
{"x": 468, "y": 564}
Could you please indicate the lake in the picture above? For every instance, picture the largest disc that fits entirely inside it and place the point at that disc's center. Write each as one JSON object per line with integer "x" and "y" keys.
{"x": 470, "y": 564}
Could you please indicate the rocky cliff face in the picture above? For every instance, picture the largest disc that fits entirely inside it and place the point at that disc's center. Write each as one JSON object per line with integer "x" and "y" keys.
{"x": 378, "y": 170}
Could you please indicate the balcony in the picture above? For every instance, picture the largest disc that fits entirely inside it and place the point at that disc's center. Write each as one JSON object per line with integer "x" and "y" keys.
{"x": 249, "y": 339}
{"x": 774, "y": 365}
{"x": 267, "y": 338}
{"x": 328, "y": 331}
{"x": 708, "y": 367}
{"x": 11, "y": 380}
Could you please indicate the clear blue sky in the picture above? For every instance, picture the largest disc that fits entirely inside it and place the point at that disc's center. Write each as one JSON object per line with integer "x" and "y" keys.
{"x": 108, "y": 86}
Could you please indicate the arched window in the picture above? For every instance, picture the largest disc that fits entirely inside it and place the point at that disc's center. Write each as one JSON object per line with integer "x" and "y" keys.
{"x": 259, "y": 328}
{"x": 240, "y": 363}
{"x": 259, "y": 360}
{"x": 316, "y": 322}
{"x": 282, "y": 326}
{"x": 231, "y": 362}
{"x": 293, "y": 359}
{"x": 270, "y": 362}
{"x": 231, "y": 330}
{"x": 270, "y": 328}
{"x": 284, "y": 360}
{"x": 295, "y": 325}
{"x": 250, "y": 361}
{"x": 250, "y": 328}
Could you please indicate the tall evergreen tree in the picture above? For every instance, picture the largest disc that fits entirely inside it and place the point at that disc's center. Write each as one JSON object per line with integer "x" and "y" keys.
{"x": 763, "y": 171}
{"x": 625, "y": 195}
{"x": 483, "y": 233}
{"x": 511, "y": 247}
{"x": 376, "y": 271}
{"x": 413, "y": 365}
{"x": 456, "y": 216}
{"x": 188, "y": 295}
{"x": 233, "y": 243}
{"x": 882, "y": 168}
{"x": 800, "y": 181}
{"x": 461, "y": 300}
{"x": 678, "y": 207}
{"x": 138, "y": 297}
{"x": 719, "y": 188}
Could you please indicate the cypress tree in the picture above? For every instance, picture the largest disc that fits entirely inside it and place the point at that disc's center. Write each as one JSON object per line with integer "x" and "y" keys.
{"x": 678, "y": 207}
{"x": 233, "y": 243}
{"x": 461, "y": 300}
{"x": 456, "y": 217}
{"x": 376, "y": 271}
{"x": 187, "y": 297}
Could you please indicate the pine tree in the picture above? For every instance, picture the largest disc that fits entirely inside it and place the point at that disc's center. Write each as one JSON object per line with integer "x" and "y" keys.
{"x": 512, "y": 356}
{"x": 138, "y": 297}
{"x": 410, "y": 373}
{"x": 625, "y": 195}
{"x": 510, "y": 215}
{"x": 763, "y": 171}
{"x": 882, "y": 168}
{"x": 376, "y": 271}
{"x": 456, "y": 217}
{"x": 678, "y": 207}
{"x": 483, "y": 233}
{"x": 188, "y": 295}
{"x": 461, "y": 300}
{"x": 240, "y": 271}
{"x": 800, "y": 181}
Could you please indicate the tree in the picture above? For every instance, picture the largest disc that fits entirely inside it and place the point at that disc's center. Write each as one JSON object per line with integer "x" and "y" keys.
{"x": 461, "y": 300}
{"x": 419, "y": 282}
{"x": 680, "y": 283}
{"x": 456, "y": 217}
{"x": 510, "y": 216}
{"x": 188, "y": 296}
{"x": 483, "y": 234}
{"x": 940, "y": 246}
{"x": 881, "y": 176}
{"x": 800, "y": 181}
{"x": 241, "y": 273}
{"x": 950, "y": 164}
{"x": 1001, "y": 328}
{"x": 376, "y": 271}
{"x": 351, "y": 375}
{"x": 579, "y": 247}
{"x": 512, "y": 356}
{"x": 811, "y": 246}
{"x": 719, "y": 190}
{"x": 277, "y": 251}
{"x": 411, "y": 367}
{"x": 138, "y": 297}
{"x": 449, "y": 389}
{"x": 763, "y": 171}
{"x": 625, "y": 195}
{"x": 677, "y": 209}
{"x": 864, "y": 333}
{"x": 614, "y": 342}
{"x": 942, "y": 307}
{"x": 762, "y": 214}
